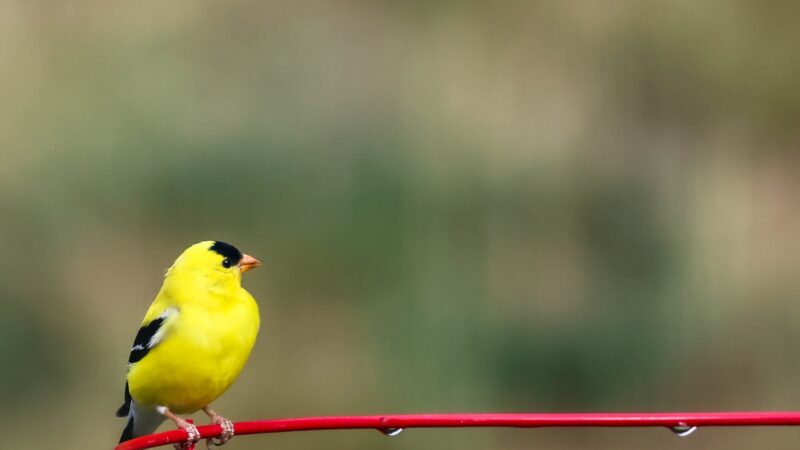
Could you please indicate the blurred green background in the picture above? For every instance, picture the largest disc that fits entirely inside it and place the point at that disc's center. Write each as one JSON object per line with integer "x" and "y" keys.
{"x": 461, "y": 206}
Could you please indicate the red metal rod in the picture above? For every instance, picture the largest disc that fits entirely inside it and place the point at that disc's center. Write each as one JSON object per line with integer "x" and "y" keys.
{"x": 387, "y": 422}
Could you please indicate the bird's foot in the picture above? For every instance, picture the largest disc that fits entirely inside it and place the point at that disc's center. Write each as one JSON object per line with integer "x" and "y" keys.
{"x": 227, "y": 431}
{"x": 192, "y": 435}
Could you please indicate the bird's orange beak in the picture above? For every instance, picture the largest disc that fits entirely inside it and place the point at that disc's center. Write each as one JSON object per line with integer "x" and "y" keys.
{"x": 248, "y": 262}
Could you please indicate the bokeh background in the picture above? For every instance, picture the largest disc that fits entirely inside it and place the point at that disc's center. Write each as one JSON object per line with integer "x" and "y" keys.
{"x": 461, "y": 206}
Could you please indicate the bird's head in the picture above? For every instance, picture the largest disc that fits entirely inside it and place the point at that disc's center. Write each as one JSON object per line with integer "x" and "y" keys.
{"x": 212, "y": 263}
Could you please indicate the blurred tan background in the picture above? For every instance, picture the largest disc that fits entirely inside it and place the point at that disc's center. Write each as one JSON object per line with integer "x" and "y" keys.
{"x": 461, "y": 206}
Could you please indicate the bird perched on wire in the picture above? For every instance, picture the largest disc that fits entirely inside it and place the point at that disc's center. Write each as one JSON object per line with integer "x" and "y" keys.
{"x": 193, "y": 343}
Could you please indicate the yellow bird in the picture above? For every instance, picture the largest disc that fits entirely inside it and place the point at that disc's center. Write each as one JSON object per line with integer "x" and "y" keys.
{"x": 193, "y": 343}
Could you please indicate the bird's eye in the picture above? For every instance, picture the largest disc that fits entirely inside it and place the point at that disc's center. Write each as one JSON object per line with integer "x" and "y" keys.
{"x": 226, "y": 263}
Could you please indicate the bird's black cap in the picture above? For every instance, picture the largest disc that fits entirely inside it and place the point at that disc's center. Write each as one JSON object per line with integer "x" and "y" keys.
{"x": 227, "y": 251}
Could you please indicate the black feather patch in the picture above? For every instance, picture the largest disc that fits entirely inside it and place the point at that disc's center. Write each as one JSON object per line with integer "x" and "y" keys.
{"x": 127, "y": 433}
{"x": 228, "y": 251}
{"x": 141, "y": 344}
{"x": 126, "y": 407}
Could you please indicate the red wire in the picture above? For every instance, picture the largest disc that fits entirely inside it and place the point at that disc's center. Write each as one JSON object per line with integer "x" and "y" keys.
{"x": 680, "y": 420}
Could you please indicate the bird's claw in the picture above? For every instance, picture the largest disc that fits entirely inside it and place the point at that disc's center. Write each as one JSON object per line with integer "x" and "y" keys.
{"x": 192, "y": 435}
{"x": 225, "y": 436}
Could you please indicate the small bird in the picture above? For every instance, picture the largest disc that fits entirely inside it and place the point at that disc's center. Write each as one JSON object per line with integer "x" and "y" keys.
{"x": 193, "y": 343}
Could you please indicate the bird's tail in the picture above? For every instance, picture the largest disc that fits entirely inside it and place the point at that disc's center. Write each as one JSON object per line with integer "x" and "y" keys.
{"x": 127, "y": 433}
{"x": 142, "y": 420}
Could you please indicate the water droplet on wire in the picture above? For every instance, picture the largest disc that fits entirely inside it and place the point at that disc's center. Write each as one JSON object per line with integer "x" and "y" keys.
{"x": 683, "y": 430}
{"x": 390, "y": 431}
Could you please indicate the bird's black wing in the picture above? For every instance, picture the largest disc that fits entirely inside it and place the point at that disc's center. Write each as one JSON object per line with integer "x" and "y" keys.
{"x": 144, "y": 339}
{"x": 126, "y": 405}
{"x": 148, "y": 337}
